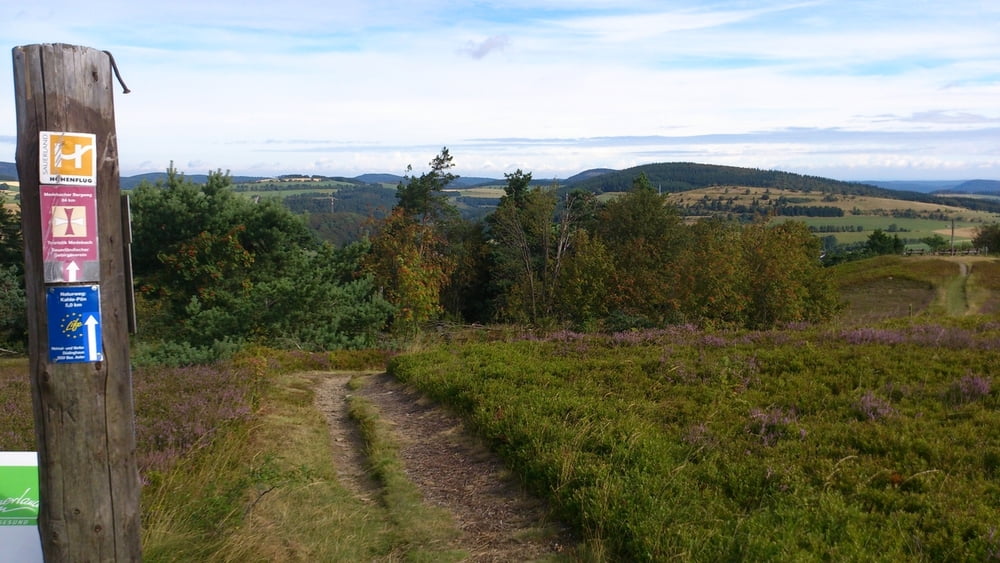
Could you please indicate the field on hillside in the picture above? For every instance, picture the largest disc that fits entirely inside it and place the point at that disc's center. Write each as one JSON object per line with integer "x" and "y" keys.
{"x": 862, "y": 214}
{"x": 12, "y": 190}
{"x": 851, "y": 204}
{"x": 904, "y": 228}
{"x": 480, "y": 192}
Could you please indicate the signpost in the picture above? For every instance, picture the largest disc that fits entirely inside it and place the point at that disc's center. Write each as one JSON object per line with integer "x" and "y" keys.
{"x": 78, "y": 314}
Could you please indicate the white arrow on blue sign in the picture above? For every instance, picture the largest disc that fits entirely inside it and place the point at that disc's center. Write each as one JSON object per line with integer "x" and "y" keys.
{"x": 74, "y": 315}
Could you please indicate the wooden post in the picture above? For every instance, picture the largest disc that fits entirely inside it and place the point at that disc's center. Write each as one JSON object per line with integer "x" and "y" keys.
{"x": 84, "y": 417}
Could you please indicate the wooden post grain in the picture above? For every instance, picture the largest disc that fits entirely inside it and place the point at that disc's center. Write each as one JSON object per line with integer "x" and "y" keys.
{"x": 84, "y": 417}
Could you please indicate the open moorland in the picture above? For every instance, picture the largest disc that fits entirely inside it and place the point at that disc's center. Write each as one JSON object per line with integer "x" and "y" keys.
{"x": 869, "y": 438}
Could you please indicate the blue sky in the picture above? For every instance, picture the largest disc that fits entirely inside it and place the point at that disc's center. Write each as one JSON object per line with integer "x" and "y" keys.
{"x": 840, "y": 88}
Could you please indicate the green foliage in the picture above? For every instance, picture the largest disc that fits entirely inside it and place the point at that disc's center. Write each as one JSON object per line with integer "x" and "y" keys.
{"x": 526, "y": 252}
{"x": 935, "y": 242}
{"x": 423, "y": 196}
{"x": 467, "y": 295}
{"x": 170, "y": 353}
{"x": 645, "y": 236}
{"x": 408, "y": 261}
{"x": 785, "y": 282}
{"x": 880, "y": 243}
{"x": 516, "y": 190}
{"x": 745, "y": 446}
{"x": 715, "y": 275}
{"x": 13, "y": 307}
{"x": 988, "y": 237}
{"x": 213, "y": 266}
{"x": 632, "y": 262}
{"x": 11, "y": 242}
{"x": 584, "y": 283}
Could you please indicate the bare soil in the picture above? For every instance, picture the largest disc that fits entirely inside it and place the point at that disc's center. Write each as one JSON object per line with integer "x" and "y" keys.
{"x": 499, "y": 521}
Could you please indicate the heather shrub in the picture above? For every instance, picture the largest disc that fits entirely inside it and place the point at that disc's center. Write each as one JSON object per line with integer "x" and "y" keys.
{"x": 17, "y": 427}
{"x": 180, "y": 408}
{"x": 968, "y": 389}
{"x": 872, "y": 407}
{"x": 772, "y": 424}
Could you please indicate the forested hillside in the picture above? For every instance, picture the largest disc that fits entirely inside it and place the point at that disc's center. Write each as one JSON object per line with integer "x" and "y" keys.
{"x": 684, "y": 176}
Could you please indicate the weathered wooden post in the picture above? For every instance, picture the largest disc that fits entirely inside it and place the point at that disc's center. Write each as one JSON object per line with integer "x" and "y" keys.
{"x": 67, "y": 160}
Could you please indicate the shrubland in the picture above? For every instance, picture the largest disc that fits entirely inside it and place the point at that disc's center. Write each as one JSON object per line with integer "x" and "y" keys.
{"x": 838, "y": 444}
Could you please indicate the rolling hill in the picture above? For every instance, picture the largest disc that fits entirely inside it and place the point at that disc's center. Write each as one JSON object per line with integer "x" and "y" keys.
{"x": 8, "y": 171}
{"x": 675, "y": 177}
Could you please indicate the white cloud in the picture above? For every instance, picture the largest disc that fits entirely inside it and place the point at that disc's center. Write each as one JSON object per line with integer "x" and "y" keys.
{"x": 355, "y": 86}
{"x": 480, "y": 49}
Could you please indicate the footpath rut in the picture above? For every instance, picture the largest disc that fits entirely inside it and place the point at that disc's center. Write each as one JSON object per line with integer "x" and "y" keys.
{"x": 498, "y": 520}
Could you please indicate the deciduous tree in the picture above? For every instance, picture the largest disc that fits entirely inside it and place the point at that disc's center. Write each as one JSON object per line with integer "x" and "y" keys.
{"x": 645, "y": 235}
{"x": 408, "y": 262}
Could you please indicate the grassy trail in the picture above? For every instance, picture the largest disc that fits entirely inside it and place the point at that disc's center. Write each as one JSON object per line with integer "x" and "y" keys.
{"x": 956, "y": 293}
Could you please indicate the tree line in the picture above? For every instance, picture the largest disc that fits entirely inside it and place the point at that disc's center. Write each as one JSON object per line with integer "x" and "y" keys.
{"x": 215, "y": 269}
{"x": 554, "y": 258}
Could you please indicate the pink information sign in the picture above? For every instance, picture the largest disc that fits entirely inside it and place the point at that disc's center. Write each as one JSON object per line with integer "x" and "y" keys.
{"x": 69, "y": 233}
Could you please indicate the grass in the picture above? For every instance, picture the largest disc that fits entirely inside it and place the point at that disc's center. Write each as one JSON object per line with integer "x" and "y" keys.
{"x": 816, "y": 444}
{"x": 267, "y": 491}
{"x": 235, "y": 460}
{"x": 983, "y": 288}
{"x": 896, "y": 286}
{"x": 17, "y": 430}
{"x": 424, "y": 531}
{"x": 907, "y": 228}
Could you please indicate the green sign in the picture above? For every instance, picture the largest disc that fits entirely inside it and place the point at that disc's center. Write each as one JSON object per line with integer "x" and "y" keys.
{"x": 18, "y": 489}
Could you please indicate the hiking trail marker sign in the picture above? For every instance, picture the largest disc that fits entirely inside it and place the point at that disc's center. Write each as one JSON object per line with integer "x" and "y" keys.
{"x": 67, "y": 158}
{"x": 74, "y": 314}
{"x": 69, "y": 233}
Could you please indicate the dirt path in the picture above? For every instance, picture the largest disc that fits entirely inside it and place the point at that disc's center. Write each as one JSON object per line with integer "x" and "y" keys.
{"x": 499, "y": 522}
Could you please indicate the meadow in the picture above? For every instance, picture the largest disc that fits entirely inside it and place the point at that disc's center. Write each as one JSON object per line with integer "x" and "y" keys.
{"x": 903, "y": 227}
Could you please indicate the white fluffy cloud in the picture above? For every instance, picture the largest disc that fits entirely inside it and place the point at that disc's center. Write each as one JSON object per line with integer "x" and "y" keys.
{"x": 849, "y": 88}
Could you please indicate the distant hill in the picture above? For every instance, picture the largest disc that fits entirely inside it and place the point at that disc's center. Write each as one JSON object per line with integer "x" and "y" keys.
{"x": 130, "y": 182}
{"x": 922, "y": 186}
{"x": 941, "y": 186}
{"x": 587, "y": 175}
{"x": 683, "y": 176}
{"x": 8, "y": 171}
{"x": 978, "y": 187}
{"x": 379, "y": 178}
{"x": 679, "y": 177}
{"x": 461, "y": 182}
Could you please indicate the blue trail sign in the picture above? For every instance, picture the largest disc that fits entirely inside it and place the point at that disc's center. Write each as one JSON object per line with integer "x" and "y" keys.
{"x": 74, "y": 315}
